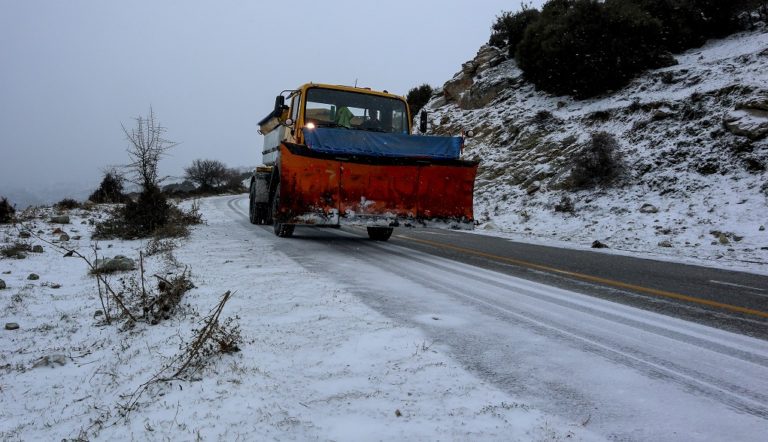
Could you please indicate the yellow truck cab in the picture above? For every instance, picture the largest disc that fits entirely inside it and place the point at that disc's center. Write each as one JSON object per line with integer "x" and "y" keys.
{"x": 339, "y": 155}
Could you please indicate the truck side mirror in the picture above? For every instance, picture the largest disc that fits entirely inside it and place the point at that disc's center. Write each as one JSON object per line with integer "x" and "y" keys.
{"x": 279, "y": 104}
{"x": 423, "y": 121}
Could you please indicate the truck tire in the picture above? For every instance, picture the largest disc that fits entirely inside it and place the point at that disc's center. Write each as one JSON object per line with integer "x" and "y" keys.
{"x": 281, "y": 229}
{"x": 257, "y": 212}
{"x": 284, "y": 230}
{"x": 379, "y": 233}
{"x": 252, "y": 208}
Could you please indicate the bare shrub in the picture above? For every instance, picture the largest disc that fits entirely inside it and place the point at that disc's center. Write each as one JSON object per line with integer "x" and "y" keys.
{"x": 212, "y": 338}
{"x": 169, "y": 293}
{"x": 207, "y": 174}
{"x": 158, "y": 245}
{"x": 147, "y": 147}
{"x": 233, "y": 181}
{"x": 599, "y": 163}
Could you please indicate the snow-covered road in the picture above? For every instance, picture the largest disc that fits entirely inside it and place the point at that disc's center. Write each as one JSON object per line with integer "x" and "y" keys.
{"x": 631, "y": 374}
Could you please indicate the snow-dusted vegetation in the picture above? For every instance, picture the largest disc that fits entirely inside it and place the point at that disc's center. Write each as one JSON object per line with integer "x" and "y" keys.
{"x": 690, "y": 150}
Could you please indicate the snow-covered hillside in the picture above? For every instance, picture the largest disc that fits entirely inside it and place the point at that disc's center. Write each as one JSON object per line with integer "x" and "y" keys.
{"x": 692, "y": 138}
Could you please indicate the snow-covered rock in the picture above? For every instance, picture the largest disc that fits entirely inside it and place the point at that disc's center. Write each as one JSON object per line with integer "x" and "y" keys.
{"x": 749, "y": 122}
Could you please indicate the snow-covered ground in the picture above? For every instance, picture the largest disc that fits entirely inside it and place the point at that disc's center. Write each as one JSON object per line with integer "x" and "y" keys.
{"x": 316, "y": 362}
{"x": 348, "y": 339}
{"x": 704, "y": 187}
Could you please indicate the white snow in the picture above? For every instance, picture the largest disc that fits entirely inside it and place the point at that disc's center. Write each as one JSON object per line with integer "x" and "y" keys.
{"x": 316, "y": 363}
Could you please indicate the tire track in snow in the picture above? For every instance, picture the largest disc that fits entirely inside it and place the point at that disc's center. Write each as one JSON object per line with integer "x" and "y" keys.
{"x": 422, "y": 270}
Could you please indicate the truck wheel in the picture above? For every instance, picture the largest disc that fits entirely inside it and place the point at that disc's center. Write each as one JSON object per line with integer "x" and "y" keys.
{"x": 284, "y": 230}
{"x": 379, "y": 233}
{"x": 252, "y": 208}
{"x": 261, "y": 213}
{"x": 281, "y": 229}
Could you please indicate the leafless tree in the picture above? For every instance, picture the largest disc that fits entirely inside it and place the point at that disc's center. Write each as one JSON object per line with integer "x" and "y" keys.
{"x": 208, "y": 174}
{"x": 146, "y": 149}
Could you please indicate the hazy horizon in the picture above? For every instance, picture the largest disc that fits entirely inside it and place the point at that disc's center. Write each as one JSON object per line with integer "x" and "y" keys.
{"x": 74, "y": 71}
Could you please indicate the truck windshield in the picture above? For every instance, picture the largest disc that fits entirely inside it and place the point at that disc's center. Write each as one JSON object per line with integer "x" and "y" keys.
{"x": 355, "y": 110}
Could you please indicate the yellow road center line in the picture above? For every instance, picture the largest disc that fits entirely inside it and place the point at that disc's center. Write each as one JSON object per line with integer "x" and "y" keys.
{"x": 597, "y": 279}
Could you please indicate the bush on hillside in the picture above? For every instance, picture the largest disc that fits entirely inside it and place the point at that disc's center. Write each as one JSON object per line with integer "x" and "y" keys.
{"x": 689, "y": 23}
{"x": 150, "y": 215}
{"x": 584, "y": 47}
{"x": 110, "y": 190}
{"x": 7, "y": 211}
{"x": 599, "y": 163}
{"x": 149, "y": 212}
{"x": 67, "y": 204}
{"x": 418, "y": 97}
{"x": 136, "y": 219}
{"x": 509, "y": 28}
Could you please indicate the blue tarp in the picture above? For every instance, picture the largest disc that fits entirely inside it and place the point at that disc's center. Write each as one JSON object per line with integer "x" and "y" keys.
{"x": 378, "y": 144}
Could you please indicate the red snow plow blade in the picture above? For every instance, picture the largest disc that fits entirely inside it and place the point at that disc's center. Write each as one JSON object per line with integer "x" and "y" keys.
{"x": 331, "y": 189}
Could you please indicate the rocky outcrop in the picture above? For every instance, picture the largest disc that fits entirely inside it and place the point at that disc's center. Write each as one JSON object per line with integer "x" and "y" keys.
{"x": 460, "y": 87}
{"x": 749, "y": 119}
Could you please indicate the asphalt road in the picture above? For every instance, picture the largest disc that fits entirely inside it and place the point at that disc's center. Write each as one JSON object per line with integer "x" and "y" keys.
{"x": 559, "y": 329}
{"x": 734, "y": 301}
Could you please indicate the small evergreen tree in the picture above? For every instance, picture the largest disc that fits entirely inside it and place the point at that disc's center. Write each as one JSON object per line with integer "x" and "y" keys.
{"x": 148, "y": 213}
{"x": 509, "y": 28}
{"x": 7, "y": 211}
{"x": 110, "y": 190}
{"x": 418, "y": 97}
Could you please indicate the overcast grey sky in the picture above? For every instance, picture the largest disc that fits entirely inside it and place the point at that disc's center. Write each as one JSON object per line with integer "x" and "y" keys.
{"x": 72, "y": 71}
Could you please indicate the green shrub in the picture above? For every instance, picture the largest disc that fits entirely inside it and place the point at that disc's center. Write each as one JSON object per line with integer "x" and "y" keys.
{"x": 150, "y": 215}
{"x": 598, "y": 163}
{"x": 689, "y": 23}
{"x": 110, "y": 190}
{"x": 509, "y": 28}
{"x": 7, "y": 211}
{"x": 149, "y": 212}
{"x": 585, "y": 47}
{"x": 418, "y": 97}
{"x": 67, "y": 204}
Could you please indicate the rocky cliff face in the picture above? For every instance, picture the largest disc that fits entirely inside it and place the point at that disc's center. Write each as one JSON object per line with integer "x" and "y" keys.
{"x": 692, "y": 141}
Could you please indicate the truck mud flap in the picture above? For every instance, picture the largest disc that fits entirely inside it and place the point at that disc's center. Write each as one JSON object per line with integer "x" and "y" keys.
{"x": 324, "y": 189}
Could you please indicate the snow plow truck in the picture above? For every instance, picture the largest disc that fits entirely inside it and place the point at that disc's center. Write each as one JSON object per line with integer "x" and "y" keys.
{"x": 339, "y": 155}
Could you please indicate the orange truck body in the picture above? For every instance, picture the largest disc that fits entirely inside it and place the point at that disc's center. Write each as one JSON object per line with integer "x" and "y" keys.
{"x": 303, "y": 184}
